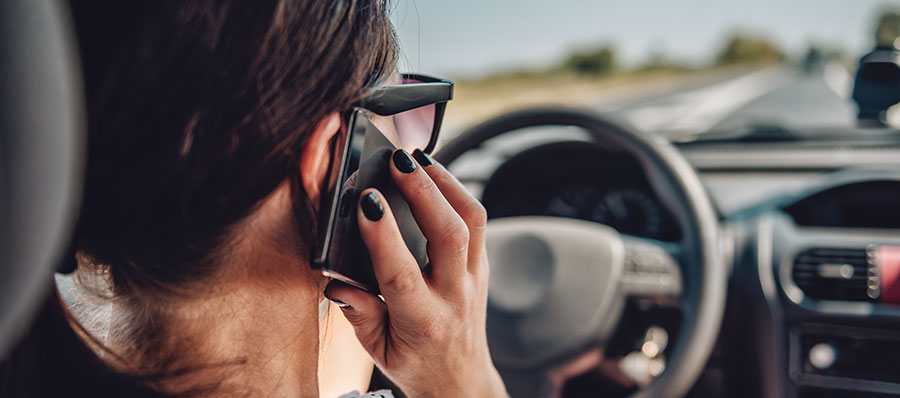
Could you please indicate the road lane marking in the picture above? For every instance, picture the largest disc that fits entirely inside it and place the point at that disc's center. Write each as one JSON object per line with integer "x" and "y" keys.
{"x": 697, "y": 111}
{"x": 838, "y": 79}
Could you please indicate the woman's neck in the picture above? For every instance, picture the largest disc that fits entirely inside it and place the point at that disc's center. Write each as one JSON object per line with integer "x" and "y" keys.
{"x": 249, "y": 337}
{"x": 255, "y": 331}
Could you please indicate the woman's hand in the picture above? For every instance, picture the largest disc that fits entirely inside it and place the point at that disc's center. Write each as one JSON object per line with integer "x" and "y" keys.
{"x": 428, "y": 335}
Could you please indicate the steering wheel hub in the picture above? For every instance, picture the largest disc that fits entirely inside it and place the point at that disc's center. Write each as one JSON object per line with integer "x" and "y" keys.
{"x": 524, "y": 268}
{"x": 547, "y": 272}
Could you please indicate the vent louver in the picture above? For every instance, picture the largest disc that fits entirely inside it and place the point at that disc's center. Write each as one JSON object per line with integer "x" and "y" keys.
{"x": 836, "y": 274}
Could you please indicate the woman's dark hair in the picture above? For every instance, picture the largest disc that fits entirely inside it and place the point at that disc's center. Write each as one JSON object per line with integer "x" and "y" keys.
{"x": 197, "y": 111}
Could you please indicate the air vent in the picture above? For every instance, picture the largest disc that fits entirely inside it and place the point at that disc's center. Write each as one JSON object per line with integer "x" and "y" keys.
{"x": 835, "y": 274}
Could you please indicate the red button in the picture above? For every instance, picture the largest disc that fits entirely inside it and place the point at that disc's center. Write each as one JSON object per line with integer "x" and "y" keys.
{"x": 888, "y": 260}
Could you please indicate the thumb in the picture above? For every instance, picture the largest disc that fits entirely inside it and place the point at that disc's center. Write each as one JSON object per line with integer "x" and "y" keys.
{"x": 365, "y": 311}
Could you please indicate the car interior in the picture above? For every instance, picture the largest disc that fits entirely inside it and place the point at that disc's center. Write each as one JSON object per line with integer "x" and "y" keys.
{"x": 754, "y": 259}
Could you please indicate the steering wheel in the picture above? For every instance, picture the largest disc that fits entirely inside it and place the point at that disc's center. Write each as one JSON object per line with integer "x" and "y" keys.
{"x": 558, "y": 286}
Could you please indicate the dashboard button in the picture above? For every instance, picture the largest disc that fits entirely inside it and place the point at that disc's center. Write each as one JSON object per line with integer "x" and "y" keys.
{"x": 822, "y": 356}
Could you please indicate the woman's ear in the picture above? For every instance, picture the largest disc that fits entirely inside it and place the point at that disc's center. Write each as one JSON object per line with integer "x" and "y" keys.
{"x": 316, "y": 156}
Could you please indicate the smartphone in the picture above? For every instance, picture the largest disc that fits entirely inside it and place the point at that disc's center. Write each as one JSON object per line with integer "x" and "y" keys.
{"x": 362, "y": 160}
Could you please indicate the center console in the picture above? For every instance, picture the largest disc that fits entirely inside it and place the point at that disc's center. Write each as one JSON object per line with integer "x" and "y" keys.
{"x": 838, "y": 298}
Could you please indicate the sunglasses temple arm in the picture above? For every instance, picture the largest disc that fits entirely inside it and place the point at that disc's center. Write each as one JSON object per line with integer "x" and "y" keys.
{"x": 435, "y": 131}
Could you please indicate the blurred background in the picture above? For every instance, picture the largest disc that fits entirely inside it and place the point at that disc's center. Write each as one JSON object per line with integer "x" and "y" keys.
{"x": 677, "y": 68}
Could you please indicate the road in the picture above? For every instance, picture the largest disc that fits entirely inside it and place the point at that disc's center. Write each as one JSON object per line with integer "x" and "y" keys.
{"x": 782, "y": 96}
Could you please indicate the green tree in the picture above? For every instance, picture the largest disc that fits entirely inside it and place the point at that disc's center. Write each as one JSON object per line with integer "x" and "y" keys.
{"x": 746, "y": 49}
{"x": 597, "y": 62}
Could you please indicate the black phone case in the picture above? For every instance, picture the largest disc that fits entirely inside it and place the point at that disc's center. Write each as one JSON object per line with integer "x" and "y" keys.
{"x": 349, "y": 259}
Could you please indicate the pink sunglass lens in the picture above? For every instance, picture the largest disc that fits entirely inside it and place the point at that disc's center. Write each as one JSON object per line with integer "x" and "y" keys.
{"x": 414, "y": 127}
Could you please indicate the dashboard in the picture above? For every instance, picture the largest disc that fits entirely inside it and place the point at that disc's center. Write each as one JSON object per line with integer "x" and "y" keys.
{"x": 812, "y": 287}
{"x": 803, "y": 223}
{"x": 591, "y": 184}
{"x": 869, "y": 204}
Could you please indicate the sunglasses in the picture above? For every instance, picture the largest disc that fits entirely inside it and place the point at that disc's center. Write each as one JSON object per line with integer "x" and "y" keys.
{"x": 415, "y": 107}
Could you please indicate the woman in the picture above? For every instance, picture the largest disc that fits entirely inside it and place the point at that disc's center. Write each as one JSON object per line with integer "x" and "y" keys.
{"x": 210, "y": 125}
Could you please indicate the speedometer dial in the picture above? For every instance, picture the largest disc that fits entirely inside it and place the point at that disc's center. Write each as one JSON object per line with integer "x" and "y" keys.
{"x": 573, "y": 202}
{"x": 630, "y": 211}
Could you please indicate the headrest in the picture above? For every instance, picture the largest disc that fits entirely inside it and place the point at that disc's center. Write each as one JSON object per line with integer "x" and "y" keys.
{"x": 41, "y": 154}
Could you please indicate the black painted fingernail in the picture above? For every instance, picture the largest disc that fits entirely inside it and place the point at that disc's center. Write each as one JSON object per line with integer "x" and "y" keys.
{"x": 338, "y": 303}
{"x": 403, "y": 162}
{"x": 422, "y": 158}
{"x": 372, "y": 207}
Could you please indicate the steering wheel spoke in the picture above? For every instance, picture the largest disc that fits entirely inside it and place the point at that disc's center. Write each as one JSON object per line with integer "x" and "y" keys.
{"x": 651, "y": 269}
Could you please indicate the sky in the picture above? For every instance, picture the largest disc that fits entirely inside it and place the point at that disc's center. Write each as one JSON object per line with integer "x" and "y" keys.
{"x": 472, "y": 38}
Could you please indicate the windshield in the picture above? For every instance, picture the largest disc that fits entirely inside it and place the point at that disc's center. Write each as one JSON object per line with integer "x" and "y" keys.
{"x": 695, "y": 69}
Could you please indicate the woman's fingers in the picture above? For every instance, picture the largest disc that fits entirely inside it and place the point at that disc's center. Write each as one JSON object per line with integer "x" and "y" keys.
{"x": 364, "y": 311}
{"x": 398, "y": 274}
{"x": 469, "y": 208}
{"x": 447, "y": 234}
{"x": 434, "y": 343}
